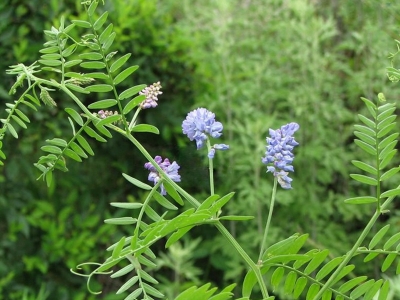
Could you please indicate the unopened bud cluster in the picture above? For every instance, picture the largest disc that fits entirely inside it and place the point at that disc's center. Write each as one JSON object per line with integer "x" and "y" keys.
{"x": 151, "y": 92}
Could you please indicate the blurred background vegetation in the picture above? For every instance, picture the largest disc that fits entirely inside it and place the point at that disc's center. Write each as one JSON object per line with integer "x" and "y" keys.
{"x": 257, "y": 64}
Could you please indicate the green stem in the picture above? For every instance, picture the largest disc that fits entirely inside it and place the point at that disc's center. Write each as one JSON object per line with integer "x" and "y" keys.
{"x": 245, "y": 256}
{"x": 271, "y": 209}
{"x": 210, "y": 168}
{"x": 353, "y": 250}
{"x": 196, "y": 204}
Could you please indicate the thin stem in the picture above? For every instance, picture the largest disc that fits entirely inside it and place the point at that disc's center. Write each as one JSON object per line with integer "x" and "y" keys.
{"x": 210, "y": 168}
{"x": 271, "y": 209}
{"x": 349, "y": 254}
{"x": 245, "y": 256}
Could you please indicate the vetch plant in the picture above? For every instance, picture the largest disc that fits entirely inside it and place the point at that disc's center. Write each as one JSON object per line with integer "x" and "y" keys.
{"x": 309, "y": 274}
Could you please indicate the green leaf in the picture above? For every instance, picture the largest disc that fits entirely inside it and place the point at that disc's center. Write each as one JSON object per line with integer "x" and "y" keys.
{"x": 388, "y": 261}
{"x": 385, "y": 130}
{"x": 365, "y": 130}
{"x": 129, "y": 284}
{"x": 177, "y": 235}
{"x": 99, "y": 88}
{"x": 119, "y": 62}
{"x": 133, "y": 103}
{"x": 102, "y": 104}
{"x": 100, "y": 21}
{"x": 328, "y": 267}
{"x": 378, "y": 236}
{"x": 81, "y": 23}
{"x": 386, "y": 113}
{"x": 102, "y": 129}
{"x": 369, "y": 103}
{"x": 131, "y": 91}
{"x": 364, "y": 146}
{"x": 248, "y": 283}
{"x": 316, "y": 261}
{"x": 387, "y": 159}
{"x": 365, "y": 167}
{"x": 93, "y": 65}
{"x": 22, "y": 115}
{"x": 347, "y": 286}
{"x": 390, "y": 173}
{"x": 327, "y": 295}
{"x": 136, "y": 182}
{"x": 151, "y": 213}
{"x": 365, "y": 138}
{"x": 33, "y": 99}
{"x": 76, "y": 88}
{"x": 74, "y": 114}
{"x": 387, "y": 150}
{"x": 106, "y": 33}
{"x": 109, "y": 120}
{"x": 18, "y": 121}
{"x": 172, "y": 192}
{"x": 373, "y": 290}
{"x": 391, "y": 193}
{"x": 361, "y": 200}
{"x": 290, "y": 282}
{"x": 125, "y": 270}
{"x": 364, "y": 179}
{"x": 386, "y": 121}
{"x": 345, "y": 271}
{"x": 117, "y": 250}
{"x": 126, "y": 205}
{"x": 72, "y": 155}
{"x": 393, "y": 240}
{"x": 121, "y": 221}
{"x": 299, "y": 287}
{"x": 49, "y": 178}
{"x": 47, "y": 50}
{"x": 280, "y": 247}
{"x": 237, "y": 218}
{"x": 124, "y": 74}
{"x": 72, "y": 63}
{"x": 388, "y": 140}
{"x": 57, "y": 142}
{"x": 51, "y": 63}
{"x": 371, "y": 256}
{"x": 145, "y": 128}
{"x": 97, "y": 75}
{"x": 163, "y": 201}
{"x": 67, "y": 52}
{"x": 366, "y": 121}
{"x": 312, "y": 291}
{"x": 384, "y": 291}
{"x": 85, "y": 145}
{"x": 54, "y": 56}
{"x": 78, "y": 150}
{"x": 108, "y": 42}
{"x": 362, "y": 289}
{"x": 91, "y": 56}
{"x": 208, "y": 202}
{"x": 277, "y": 277}
{"x": 51, "y": 149}
{"x": 94, "y": 134}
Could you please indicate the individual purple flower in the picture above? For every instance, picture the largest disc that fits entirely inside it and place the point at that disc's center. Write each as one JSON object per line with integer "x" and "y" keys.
{"x": 211, "y": 153}
{"x": 199, "y": 125}
{"x": 279, "y": 155}
{"x": 151, "y": 92}
{"x": 171, "y": 169}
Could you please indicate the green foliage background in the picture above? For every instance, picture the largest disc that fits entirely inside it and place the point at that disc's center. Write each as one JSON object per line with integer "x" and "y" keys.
{"x": 257, "y": 64}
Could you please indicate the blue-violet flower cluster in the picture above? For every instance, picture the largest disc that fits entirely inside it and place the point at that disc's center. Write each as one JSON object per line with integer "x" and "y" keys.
{"x": 279, "y": 153}
{"x": 199, "y": 125}
{"x": 151, "y": 92}
{"x": 171, "y": 169}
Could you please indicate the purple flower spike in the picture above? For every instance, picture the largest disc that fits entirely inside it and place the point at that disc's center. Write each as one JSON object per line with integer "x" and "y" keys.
{"x": 199, "y": 125}
{"x": 171, "y": 169}
{"x": 279, "y": 156}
